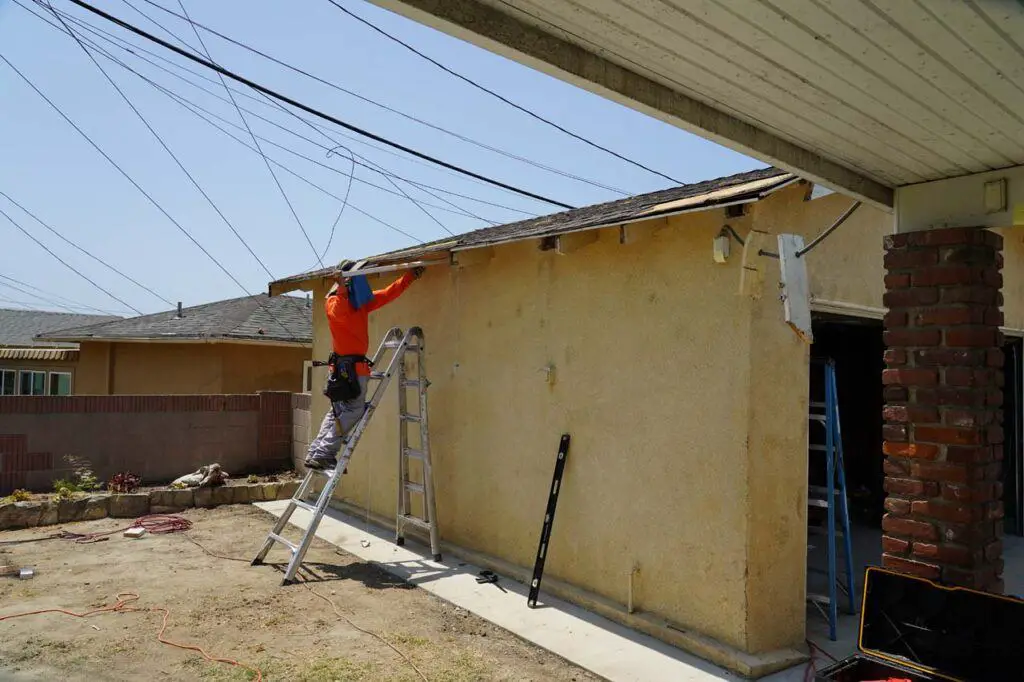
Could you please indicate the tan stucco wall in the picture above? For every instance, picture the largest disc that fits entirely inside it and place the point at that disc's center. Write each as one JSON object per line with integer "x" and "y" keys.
{"x": 687, "y": 404}
{"x": 188, "y": 368}
{"x": 650, "y": 348}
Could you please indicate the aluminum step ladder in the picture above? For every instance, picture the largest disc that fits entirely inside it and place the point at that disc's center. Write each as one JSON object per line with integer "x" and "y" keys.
{"x": 400, "y": 345}
{"x": 825, "y": 437}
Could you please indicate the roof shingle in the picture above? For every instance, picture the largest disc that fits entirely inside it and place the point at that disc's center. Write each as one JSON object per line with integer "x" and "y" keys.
{"x": 18, "y": 328}
{"x": 251, "y": 318}
{"x": 706, "y": 194}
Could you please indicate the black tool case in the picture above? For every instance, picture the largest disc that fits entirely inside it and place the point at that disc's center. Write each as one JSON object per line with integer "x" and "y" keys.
{"x": 914, "y": 629}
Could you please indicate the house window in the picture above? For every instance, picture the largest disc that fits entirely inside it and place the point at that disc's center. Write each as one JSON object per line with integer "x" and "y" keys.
{"x": 33, "y": 383}
{"x": 8, "y": 382}
{"x": 60, "y": 383}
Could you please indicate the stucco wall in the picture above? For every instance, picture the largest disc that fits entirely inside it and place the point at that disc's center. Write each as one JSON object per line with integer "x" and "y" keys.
{"x": 188, "y": 368}
{"x": 687, "y": 404}
{"x": 648, "y": 347}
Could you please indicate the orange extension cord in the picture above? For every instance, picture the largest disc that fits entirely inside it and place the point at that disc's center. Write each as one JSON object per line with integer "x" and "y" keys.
{"x": 156, "y": 523}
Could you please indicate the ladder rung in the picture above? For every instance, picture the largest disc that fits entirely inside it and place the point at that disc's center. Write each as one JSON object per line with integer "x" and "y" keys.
{"x": 817, "y": 448}
{"x": 821, "y": 504}
{"x": 822, "y": 490}
{"x": 322, "y": 472}
{"x": 284, "y": 541}
{"x": 392, "y": 344}
{"x": 414, "y": 487}
{"x": 818, "y": 530}
{"x": 413, "y": 454}
{"x": 817, "y": 418}
{"x": 415, "y": 521}
{"x": 301, "y": 504}
{"x": 411, "y": 383}
{"x": 820, "y": 406}
{"x": 819, "y": 599}
{"x": 378, "y": 375}
{"x": 412, "y": 418}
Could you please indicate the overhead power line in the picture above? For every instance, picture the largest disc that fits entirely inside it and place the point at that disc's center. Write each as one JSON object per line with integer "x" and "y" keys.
{"x": 63, "y": 262}
{"x": 163, "y": 144}
{"x": 308, "y": 109}
{"x": 72, "y": 244}
{"x": 192, "y": 108}
{"x": 280, "y": 187}
{"x": 134, "y": 50}
{"x": 500, "y": 97}
{"x": 49, "y": 297}
{"x": 142, "y": 191}
{"x": 351, "y": 93}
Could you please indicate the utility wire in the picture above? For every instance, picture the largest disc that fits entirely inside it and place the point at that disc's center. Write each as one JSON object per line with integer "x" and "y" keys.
{"x": 58, "y": 258}
{"x": 280, "y": 188}
{"x": 195, "y": 29}
{"x": 385, "y": 107}
{"x": 142, "y": 191}
{"x": 134, "y": 50}
{"x": 351, "y": 175}
{"x": 50, "y": 297}
{"x": 311, "y": 110}
{"x": 163, "y": 144}
{"x": 189, "y": 106}
{"x": 67, "y": 241}
{"x": 498, "y": 96}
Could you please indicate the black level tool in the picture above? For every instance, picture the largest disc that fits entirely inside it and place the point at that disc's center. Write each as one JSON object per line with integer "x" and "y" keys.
{"x": 549, "y": 519}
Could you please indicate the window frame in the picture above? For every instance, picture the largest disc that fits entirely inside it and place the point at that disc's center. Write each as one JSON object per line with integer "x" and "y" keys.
{"x": 46, "y": 383}
{"x": 49, "y": 381}
{"x": 14, "y": 384}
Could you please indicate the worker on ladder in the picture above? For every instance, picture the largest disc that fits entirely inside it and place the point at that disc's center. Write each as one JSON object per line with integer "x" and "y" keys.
{"x": 349, "y": 304}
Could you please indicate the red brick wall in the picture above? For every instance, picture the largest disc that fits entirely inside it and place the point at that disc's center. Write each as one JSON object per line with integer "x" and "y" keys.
{"x": 157, "y": 437}
{"x": 943, "y": 423}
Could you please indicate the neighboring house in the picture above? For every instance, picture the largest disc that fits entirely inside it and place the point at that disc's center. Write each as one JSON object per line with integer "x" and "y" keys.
{"x": 684, "y": 390}
{"x": 241, "y": 345}
{"x": 29, "y": 366}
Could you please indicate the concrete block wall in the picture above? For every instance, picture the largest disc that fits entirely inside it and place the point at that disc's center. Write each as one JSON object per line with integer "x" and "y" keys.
{"x": 156, "y": 437}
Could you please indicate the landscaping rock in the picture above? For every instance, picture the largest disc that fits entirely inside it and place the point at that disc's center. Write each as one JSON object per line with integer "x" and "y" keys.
{"x": 129, "y": 506}
{"x": 256, "y": 492}
{"x": 287, "y": 490}
{"x": 221, "y": 494}
{"x": 95, "y": 507}
{"x": 20, "y": 515}
{"x": 170, "y": 501}
{"x": 204, "y": 497}
{"x": 49, "y": 516}
{"x": 270, "y": 491}
{"x": 241, "y": 494}
{"x": 70, "y": 510}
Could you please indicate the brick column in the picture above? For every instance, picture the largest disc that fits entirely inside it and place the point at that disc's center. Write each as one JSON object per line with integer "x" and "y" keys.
{"x": 275, "y": 430}
{"x": 943, "y": 423}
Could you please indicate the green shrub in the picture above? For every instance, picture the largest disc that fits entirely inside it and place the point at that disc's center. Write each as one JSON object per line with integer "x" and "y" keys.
{"x": 18, "y": 495}
{"x": 65, "y": 484}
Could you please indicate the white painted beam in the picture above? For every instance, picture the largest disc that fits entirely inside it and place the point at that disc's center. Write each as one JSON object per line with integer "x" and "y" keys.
{"x": 513, "y": 38}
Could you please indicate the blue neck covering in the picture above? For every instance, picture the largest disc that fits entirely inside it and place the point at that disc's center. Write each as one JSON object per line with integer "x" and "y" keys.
{"x": 359, "y": 291}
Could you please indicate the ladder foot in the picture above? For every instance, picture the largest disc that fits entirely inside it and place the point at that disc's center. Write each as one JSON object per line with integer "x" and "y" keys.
{"x": 287, "y": 581}
{"x": 437, "y": 557}
{"x": 256, "y": 562}
{"x": 400, "y": 542}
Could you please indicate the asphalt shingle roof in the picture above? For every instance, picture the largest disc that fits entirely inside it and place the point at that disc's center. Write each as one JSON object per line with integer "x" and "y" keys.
{"x": 18, "y": 328}
{"x": 633, "y": 208}
{"x": 252, "y": 318}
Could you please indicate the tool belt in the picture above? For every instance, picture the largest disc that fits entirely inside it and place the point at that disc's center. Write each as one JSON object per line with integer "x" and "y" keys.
{"x": 342, "y": 378}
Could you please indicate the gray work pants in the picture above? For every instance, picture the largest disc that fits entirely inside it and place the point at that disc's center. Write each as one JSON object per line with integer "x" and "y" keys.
{"x": 347, "y": 413}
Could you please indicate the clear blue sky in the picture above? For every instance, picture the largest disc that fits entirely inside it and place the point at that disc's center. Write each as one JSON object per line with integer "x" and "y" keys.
{"x": 48, "y": 167}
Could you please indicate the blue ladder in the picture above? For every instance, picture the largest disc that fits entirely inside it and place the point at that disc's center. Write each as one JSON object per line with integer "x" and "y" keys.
{"x": 825, "y": 497}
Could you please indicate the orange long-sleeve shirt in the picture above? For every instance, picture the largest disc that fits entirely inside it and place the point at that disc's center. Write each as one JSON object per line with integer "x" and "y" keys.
{"x": 350, "y": 329}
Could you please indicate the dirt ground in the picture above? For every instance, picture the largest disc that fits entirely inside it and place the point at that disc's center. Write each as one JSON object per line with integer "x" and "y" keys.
{"x": 239, "y": 612}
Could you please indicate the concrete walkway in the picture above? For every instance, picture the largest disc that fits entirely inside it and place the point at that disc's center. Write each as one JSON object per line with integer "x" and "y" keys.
{"x": 590, "y": 641}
